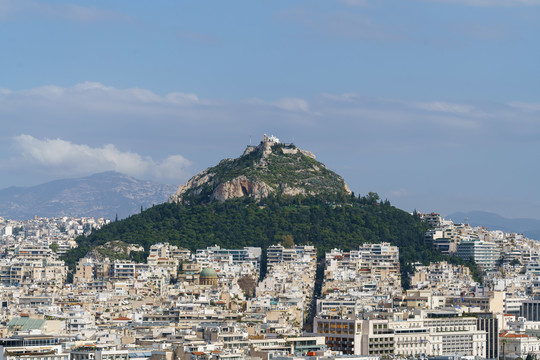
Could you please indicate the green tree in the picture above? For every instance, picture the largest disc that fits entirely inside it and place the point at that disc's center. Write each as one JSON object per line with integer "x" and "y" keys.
{"x": 515, "y": 262}
{"x": 54, "y": 247}
{"x": 288, "y": 241}
{"x": 325, "y": 222}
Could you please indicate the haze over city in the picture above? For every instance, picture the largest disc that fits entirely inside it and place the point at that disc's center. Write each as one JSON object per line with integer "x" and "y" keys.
{"x": 432, "y": 104}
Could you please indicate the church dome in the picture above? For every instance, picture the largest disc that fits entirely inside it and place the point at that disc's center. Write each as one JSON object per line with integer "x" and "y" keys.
{"x": 208, "y": 276}
{"x": 208, "y": 272}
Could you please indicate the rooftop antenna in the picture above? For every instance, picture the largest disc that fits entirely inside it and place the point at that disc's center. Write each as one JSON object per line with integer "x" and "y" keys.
{"x": 249, "y": 140}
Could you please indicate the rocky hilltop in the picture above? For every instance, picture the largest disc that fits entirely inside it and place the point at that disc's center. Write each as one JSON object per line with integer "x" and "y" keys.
{"x": 270, "y": 168}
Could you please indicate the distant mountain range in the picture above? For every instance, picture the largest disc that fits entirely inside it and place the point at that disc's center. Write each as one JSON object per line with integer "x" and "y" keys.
{"x": 105, "y": 194}
{"x": 527, "y": 227}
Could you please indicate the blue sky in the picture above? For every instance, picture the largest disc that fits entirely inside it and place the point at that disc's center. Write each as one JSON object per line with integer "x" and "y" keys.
{"x": 434, "y": 104}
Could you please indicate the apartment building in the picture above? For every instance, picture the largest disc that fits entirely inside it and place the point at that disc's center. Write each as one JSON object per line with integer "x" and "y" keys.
{"x": 32, "y": 347}
{"x": 490, "y": 324}
{"x": 486, "y": 254}
{"x": 278, "y": 253}
{"x": 451, "y": 334}
{"x": 123, "y": 269}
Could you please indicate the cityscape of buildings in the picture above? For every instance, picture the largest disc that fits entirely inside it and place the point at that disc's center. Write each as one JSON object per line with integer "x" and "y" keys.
{"x": 277, "y": 304}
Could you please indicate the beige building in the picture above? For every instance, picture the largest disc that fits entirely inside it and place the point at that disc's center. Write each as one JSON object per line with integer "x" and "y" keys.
{"x": 46, "y": 272}
{"x": 435, "y": 334}
{"x": 513, "y": 346}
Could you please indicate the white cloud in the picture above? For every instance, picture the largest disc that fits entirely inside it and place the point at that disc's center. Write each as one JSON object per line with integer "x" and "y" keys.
{"x": 292, "y": 104}
{"x": 66, "y": 128}
{"x": 173, "y": 167}
{"x": 64, "y": 157}
{"x": 92, "y": 127}
{"x": 95, "y": 91}
{"x": 441, "y": 106}
{"x": 528, "y": 107}
{"x": 346, "y": 97}
{"x": 94, "y": 97}
{"x": 141, "y": 112}
{"x": 182, "y": 98}
{"x": 288, "y": 104}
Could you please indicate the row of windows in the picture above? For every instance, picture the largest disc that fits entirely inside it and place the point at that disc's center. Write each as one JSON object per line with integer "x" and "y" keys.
{"x": 38, "y": 357}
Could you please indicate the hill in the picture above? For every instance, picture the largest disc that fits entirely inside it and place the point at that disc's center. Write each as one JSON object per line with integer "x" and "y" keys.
{"x": 273, "y": 190}
{"x": 100, "y": 195}
{"x": 269, "y": 169}
{"x": 344, "y": 223}
{"x": 525, "y": 226}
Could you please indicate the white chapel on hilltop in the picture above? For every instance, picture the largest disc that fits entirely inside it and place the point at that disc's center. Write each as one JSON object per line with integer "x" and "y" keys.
{"x": 272, "y": 139}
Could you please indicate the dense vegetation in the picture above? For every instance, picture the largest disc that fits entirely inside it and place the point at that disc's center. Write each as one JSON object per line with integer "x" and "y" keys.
{"x": 341, "y": 222}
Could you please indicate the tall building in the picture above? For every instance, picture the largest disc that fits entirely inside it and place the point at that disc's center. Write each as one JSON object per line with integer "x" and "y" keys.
{"x": 433, "y": 219}
{"x": 530, "y": 309}
{"x": 451, "y": 334}
{"x": 489, "y": 323}
{"x": 438, "y": 333}
{"x": 486, "y": 254}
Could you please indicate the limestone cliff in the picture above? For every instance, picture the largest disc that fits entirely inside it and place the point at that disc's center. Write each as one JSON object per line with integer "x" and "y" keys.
{"x": 271, "y": 168}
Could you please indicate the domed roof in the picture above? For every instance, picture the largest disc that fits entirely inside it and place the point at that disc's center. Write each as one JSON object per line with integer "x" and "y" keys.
{"x": 208, "y": 272}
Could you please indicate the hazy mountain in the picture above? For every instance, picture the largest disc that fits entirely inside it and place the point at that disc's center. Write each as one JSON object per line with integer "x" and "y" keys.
{"x": 101, "y": 195}
{"x": 527, "y": 227}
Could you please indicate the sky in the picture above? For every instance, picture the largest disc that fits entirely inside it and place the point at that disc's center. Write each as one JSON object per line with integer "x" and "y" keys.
{"x": 433, "y": 104}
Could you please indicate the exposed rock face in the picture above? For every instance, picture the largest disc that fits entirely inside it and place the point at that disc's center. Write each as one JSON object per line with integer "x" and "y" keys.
{"x": 292, "y": 191}
{"x": 241, "y": 186}
{"x": 195, "y": 184}
{"x": 267, "y": 169}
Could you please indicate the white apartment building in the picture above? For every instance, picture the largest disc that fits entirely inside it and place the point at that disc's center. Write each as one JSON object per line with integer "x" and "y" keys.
{"x": 27, "y": 272}
{"x": 436, "y": 334}
{"x": 433, "y": 219}
{"x": 513, "y": 346}
{"x": 123, "y": 269}
{"x": 485, "y": 254}
{"x": 278, "y": 253}
{"x": 343, "y": 335}
{"x": 32, "y": 347}
{"x": 453, "y": 335}
{"x": 99, "y": 353}
{"x": 412, "y": 340}
{"x": 213, "y": 254}
{"x": 33, "y": 252}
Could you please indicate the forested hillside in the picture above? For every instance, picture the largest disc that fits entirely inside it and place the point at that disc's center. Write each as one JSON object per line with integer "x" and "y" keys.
{"x": 343, "y": 223}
